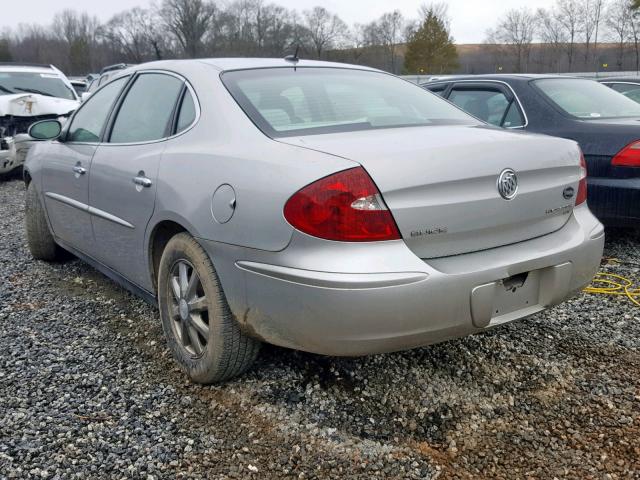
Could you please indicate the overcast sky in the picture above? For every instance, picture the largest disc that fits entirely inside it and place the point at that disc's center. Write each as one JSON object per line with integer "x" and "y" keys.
{"x": 470, "y": 18}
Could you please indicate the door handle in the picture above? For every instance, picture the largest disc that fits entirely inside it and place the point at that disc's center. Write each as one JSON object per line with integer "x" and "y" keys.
{"x": 78, "y": 170}
{"x": 142, "y": 181}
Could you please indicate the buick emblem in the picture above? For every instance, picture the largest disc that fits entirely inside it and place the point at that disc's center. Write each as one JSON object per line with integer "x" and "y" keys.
{"x": 507, "y": 184}
{"x": 568, "y": 193}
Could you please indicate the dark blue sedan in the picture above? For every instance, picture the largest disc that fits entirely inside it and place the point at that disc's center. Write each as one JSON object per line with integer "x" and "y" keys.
{"x": 605, "y": 123}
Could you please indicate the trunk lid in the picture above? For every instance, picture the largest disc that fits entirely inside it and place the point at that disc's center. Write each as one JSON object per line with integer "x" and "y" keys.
{"x": 440, "y": 182}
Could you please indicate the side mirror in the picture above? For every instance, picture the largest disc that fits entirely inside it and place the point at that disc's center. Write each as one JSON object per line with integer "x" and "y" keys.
{"x": 84, "y": 96}
{"x": 45, "y": 130}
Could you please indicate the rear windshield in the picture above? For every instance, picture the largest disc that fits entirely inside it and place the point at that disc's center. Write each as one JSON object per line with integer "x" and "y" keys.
{"x": 304, "y": 101}
{"x": 49, "y": 84}
{"x": 587, "y": 99}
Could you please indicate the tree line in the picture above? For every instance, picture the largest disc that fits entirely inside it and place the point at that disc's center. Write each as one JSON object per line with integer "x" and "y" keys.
{"x": 78, "y": 43}
{"x": 570, "y": 36}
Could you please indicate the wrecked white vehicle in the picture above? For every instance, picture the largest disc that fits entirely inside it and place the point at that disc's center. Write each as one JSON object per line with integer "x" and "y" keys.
{"x": 29, "y": 93}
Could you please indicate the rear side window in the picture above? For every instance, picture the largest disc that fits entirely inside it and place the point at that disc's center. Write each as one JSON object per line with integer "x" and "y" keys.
{"x": 147, "y": 110}
{"x": 489, "y": 105}
{"x": 187, "y": 114}
{"x": 309, "y": 100}
{"x": 513, "y": 118}
{"x": 88, "y": 122}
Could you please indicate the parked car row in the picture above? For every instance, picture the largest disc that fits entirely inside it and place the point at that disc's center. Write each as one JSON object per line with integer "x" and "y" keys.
{"x": 330, "y": 208}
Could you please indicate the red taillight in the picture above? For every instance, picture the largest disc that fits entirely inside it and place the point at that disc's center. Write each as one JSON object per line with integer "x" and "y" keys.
{"x": 629, "y": 156}
{"x": 582, "y": 186}
{"x": 345, "y": 206}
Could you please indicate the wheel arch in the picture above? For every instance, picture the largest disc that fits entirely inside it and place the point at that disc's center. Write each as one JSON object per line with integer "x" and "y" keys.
{"x": 160, "y": 235}
{"x": 26, "y": 176}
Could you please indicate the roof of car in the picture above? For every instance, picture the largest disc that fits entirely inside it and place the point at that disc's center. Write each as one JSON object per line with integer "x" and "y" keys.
{"x": 28, "y": 67}
{"x": 619, "y": 79}
{"x": 117, "y": 66}
{"x": 496, "y": 76}
{"x": 227, "y": 64}
{"x": 224, "y": 64}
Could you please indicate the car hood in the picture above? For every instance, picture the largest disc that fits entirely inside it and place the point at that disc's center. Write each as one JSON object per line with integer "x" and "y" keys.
{"x": 33, "y": 105}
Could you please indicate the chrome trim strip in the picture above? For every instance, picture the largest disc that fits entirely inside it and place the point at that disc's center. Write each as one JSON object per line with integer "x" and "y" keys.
{"x": 68, "y": 201}
{"x": 107, "y": 216}
{"x": 90, "y": 210}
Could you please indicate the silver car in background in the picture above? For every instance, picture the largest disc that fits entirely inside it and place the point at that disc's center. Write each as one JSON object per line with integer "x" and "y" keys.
{"x": 324, "y": 207}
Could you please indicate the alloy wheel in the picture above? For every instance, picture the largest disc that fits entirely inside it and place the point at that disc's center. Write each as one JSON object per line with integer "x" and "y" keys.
{"x": 189, "y": 308}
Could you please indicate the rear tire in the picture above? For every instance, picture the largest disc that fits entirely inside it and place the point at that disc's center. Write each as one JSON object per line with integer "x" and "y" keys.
{"x": 201, "y": 331}
{"x": 39, "y": 239}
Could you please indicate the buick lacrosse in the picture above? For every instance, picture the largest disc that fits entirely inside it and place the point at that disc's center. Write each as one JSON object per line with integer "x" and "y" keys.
{"x": 323, "y": 207}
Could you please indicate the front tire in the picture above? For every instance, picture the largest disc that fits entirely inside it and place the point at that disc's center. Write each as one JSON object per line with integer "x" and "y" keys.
{"x": 201, "y": 331}
{"x": 39, "y": 239}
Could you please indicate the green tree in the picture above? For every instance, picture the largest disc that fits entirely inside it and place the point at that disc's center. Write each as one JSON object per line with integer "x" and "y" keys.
{"x": 5, "y": 52}
{"x": 430, "y": 48}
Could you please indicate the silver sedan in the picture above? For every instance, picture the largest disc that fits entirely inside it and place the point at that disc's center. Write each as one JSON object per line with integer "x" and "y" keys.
{"x": 324, "y": 207}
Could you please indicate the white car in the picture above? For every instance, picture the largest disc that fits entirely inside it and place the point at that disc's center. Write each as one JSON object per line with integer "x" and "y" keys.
{"x": 29, "y": 93}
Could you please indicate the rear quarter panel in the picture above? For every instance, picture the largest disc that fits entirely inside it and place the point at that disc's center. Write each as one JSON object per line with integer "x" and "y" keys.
{"x": 225, "y": 147}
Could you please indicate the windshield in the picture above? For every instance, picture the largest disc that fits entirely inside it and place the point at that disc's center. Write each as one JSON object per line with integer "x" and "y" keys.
{"x": 304, "y": 101}
{"x": 49, "y": 84}
{"x": 587, "y": 99}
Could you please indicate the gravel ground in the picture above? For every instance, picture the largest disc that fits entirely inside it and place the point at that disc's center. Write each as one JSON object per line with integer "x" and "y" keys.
{"x": 88, "y": 390}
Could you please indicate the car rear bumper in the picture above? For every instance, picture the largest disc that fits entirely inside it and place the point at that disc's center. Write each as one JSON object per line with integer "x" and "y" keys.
{"x": 615, "y": 201}
{"x": 354, "y": 299}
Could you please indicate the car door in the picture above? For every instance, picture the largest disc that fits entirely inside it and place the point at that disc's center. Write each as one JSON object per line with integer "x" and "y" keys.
{"x": 124, "y": 172}
{"x": 65, "y": 178}
{"x": 492, "y": 102}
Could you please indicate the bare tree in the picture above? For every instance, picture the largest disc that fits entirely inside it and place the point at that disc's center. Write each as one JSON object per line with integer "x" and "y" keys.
{"x": 515, "y": 30}
{"x": 325, "y": 29}
{"x": 439, "y": 9}
{"x": 590, "y": 13}
{"x": 569, "y": 14}
{"x": 618, "y": 18}
{"x": 188, "y": 21}
{"x": 634, "y": 23}
{"x": 551, "y": 33}
{"x": 79, "y": 31}
{"x": 387, "y": 32}
{"x": 32, "y": 43}
{"x": 136, "y": 34}
{"x": 300, "y": 35}
{"x": 391, "y": 32}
